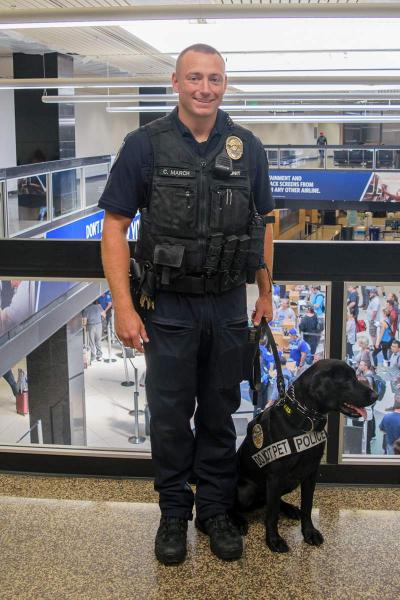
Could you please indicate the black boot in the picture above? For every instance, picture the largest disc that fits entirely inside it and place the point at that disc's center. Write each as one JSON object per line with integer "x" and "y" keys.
{"x": 170, "y": 545}
{"x": 225, "y": 539}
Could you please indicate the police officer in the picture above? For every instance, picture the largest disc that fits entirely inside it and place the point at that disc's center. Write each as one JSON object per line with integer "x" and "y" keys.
{"x": 198, "y": 181}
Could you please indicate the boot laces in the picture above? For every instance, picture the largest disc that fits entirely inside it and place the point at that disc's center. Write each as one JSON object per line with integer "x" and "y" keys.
{"x": 222, "y": 523}
{"x": 173, "y": 525}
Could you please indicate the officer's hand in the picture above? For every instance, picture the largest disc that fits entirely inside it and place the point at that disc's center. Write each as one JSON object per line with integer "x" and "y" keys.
{"x": 263, "y": 308}
{"x": 130, "y": 329}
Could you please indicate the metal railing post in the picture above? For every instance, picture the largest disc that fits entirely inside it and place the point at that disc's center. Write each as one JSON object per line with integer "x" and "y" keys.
{"x": 83, "y": 187}
{"x": 38, "y": 426}
{"x": 39, "y": 431}
{"x": 6, "y": 224}
{"x": 109, "y": 359}
{"x": 136, "y": 438}
{"x": 127, "y": 382}
{"x": 49, "y": 196}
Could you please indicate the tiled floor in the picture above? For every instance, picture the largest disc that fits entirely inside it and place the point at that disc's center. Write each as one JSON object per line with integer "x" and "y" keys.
{"x": 92, "y": 539}
{"x": 108, "y": 403}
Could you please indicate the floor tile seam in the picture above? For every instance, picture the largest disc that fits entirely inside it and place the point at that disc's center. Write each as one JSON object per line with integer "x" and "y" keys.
{"x": 75, "y": 495}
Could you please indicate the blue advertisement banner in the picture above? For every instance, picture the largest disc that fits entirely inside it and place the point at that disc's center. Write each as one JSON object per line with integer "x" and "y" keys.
{"x": 310, "y": 184}
{"x": 88, "y": 228}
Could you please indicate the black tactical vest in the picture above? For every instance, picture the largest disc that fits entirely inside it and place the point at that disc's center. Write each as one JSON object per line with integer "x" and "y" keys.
{"x": 195, "y": 225}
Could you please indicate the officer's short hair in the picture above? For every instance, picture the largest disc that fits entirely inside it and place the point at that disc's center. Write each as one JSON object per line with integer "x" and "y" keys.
{"x": 203, "y": 48}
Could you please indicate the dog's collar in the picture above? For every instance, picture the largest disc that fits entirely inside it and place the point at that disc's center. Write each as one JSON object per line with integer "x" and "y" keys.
{"x": 311, "y": 420}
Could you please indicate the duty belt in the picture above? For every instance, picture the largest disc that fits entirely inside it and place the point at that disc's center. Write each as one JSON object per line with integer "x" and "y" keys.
{"x": 191, "y": 284}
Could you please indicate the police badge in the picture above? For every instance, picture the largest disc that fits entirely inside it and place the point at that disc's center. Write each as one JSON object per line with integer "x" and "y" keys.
{"x": 258, "y": 436}
{"x": 234, "y": 147}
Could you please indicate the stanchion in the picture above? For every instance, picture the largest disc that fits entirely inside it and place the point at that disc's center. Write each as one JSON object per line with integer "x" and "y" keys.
{"x": 364, "y": 438}
{"x": 112, "y": 321}
{"x": 109, "y": 359}
{"x": 40, "y": 431}
{"x": 136, "y": 438}
{"x": 127, "y": 382}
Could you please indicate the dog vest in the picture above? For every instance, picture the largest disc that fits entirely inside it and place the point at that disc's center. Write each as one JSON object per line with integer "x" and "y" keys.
{"x": 285, "y": 447}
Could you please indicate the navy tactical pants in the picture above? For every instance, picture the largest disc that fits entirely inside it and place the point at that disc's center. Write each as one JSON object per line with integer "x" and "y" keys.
{"x": 194, "y": 366}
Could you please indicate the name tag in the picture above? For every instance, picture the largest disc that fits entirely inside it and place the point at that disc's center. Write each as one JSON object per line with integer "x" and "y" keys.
{"x": 172, "y": 172}
{"x": 271, "y": 453}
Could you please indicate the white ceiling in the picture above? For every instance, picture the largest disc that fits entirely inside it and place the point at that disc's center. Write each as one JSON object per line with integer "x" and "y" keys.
{"x": 148, "y": 47}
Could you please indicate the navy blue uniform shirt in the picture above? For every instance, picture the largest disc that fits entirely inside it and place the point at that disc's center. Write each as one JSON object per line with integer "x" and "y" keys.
{"x": 129, "y": 183}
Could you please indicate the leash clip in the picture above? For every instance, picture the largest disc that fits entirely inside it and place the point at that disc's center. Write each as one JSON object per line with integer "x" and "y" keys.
{"x": 312, "y": 424}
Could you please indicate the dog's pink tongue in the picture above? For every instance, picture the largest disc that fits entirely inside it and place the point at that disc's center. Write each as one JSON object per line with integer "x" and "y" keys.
{"x": 361, "y": 411}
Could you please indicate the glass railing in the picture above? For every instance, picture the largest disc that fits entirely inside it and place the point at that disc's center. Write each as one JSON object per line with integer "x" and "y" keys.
{"x": 333, "y": 157}
{"x": 26, "y": 202}
{"x": 34, "y": 195}
{"x": 87, "y": 398}
{"x": 372, "y": 325}
{"x": 95, "y": 181}
{"x": 107, "y": 394}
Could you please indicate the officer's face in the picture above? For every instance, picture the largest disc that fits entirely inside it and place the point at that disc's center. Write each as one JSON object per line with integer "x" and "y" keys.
{"x": 200, "y": 81}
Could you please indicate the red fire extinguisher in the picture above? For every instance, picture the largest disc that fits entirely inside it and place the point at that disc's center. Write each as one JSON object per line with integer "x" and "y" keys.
{"x": 21, "y": 398}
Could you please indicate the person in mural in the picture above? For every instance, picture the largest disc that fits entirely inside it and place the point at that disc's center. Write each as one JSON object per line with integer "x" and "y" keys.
{"x": 21, "y": 307}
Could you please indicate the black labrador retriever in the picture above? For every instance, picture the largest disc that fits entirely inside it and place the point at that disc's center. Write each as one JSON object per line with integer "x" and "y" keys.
{"x": 285, "y": 443}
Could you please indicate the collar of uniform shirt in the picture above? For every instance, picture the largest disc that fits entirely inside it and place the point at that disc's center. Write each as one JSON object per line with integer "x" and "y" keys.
{"x": 216, "y": 131}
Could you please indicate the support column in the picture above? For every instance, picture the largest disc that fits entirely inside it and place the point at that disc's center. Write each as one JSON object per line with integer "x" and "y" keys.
{"x": 56, "y": 387}
{"x": 43, "y": 131}
{"x": 145, "y": 117}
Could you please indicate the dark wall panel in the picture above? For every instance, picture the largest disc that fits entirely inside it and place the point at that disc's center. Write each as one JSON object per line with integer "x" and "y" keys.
{"x": 146, "y": 117}
{"x": 42, "y": 131}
